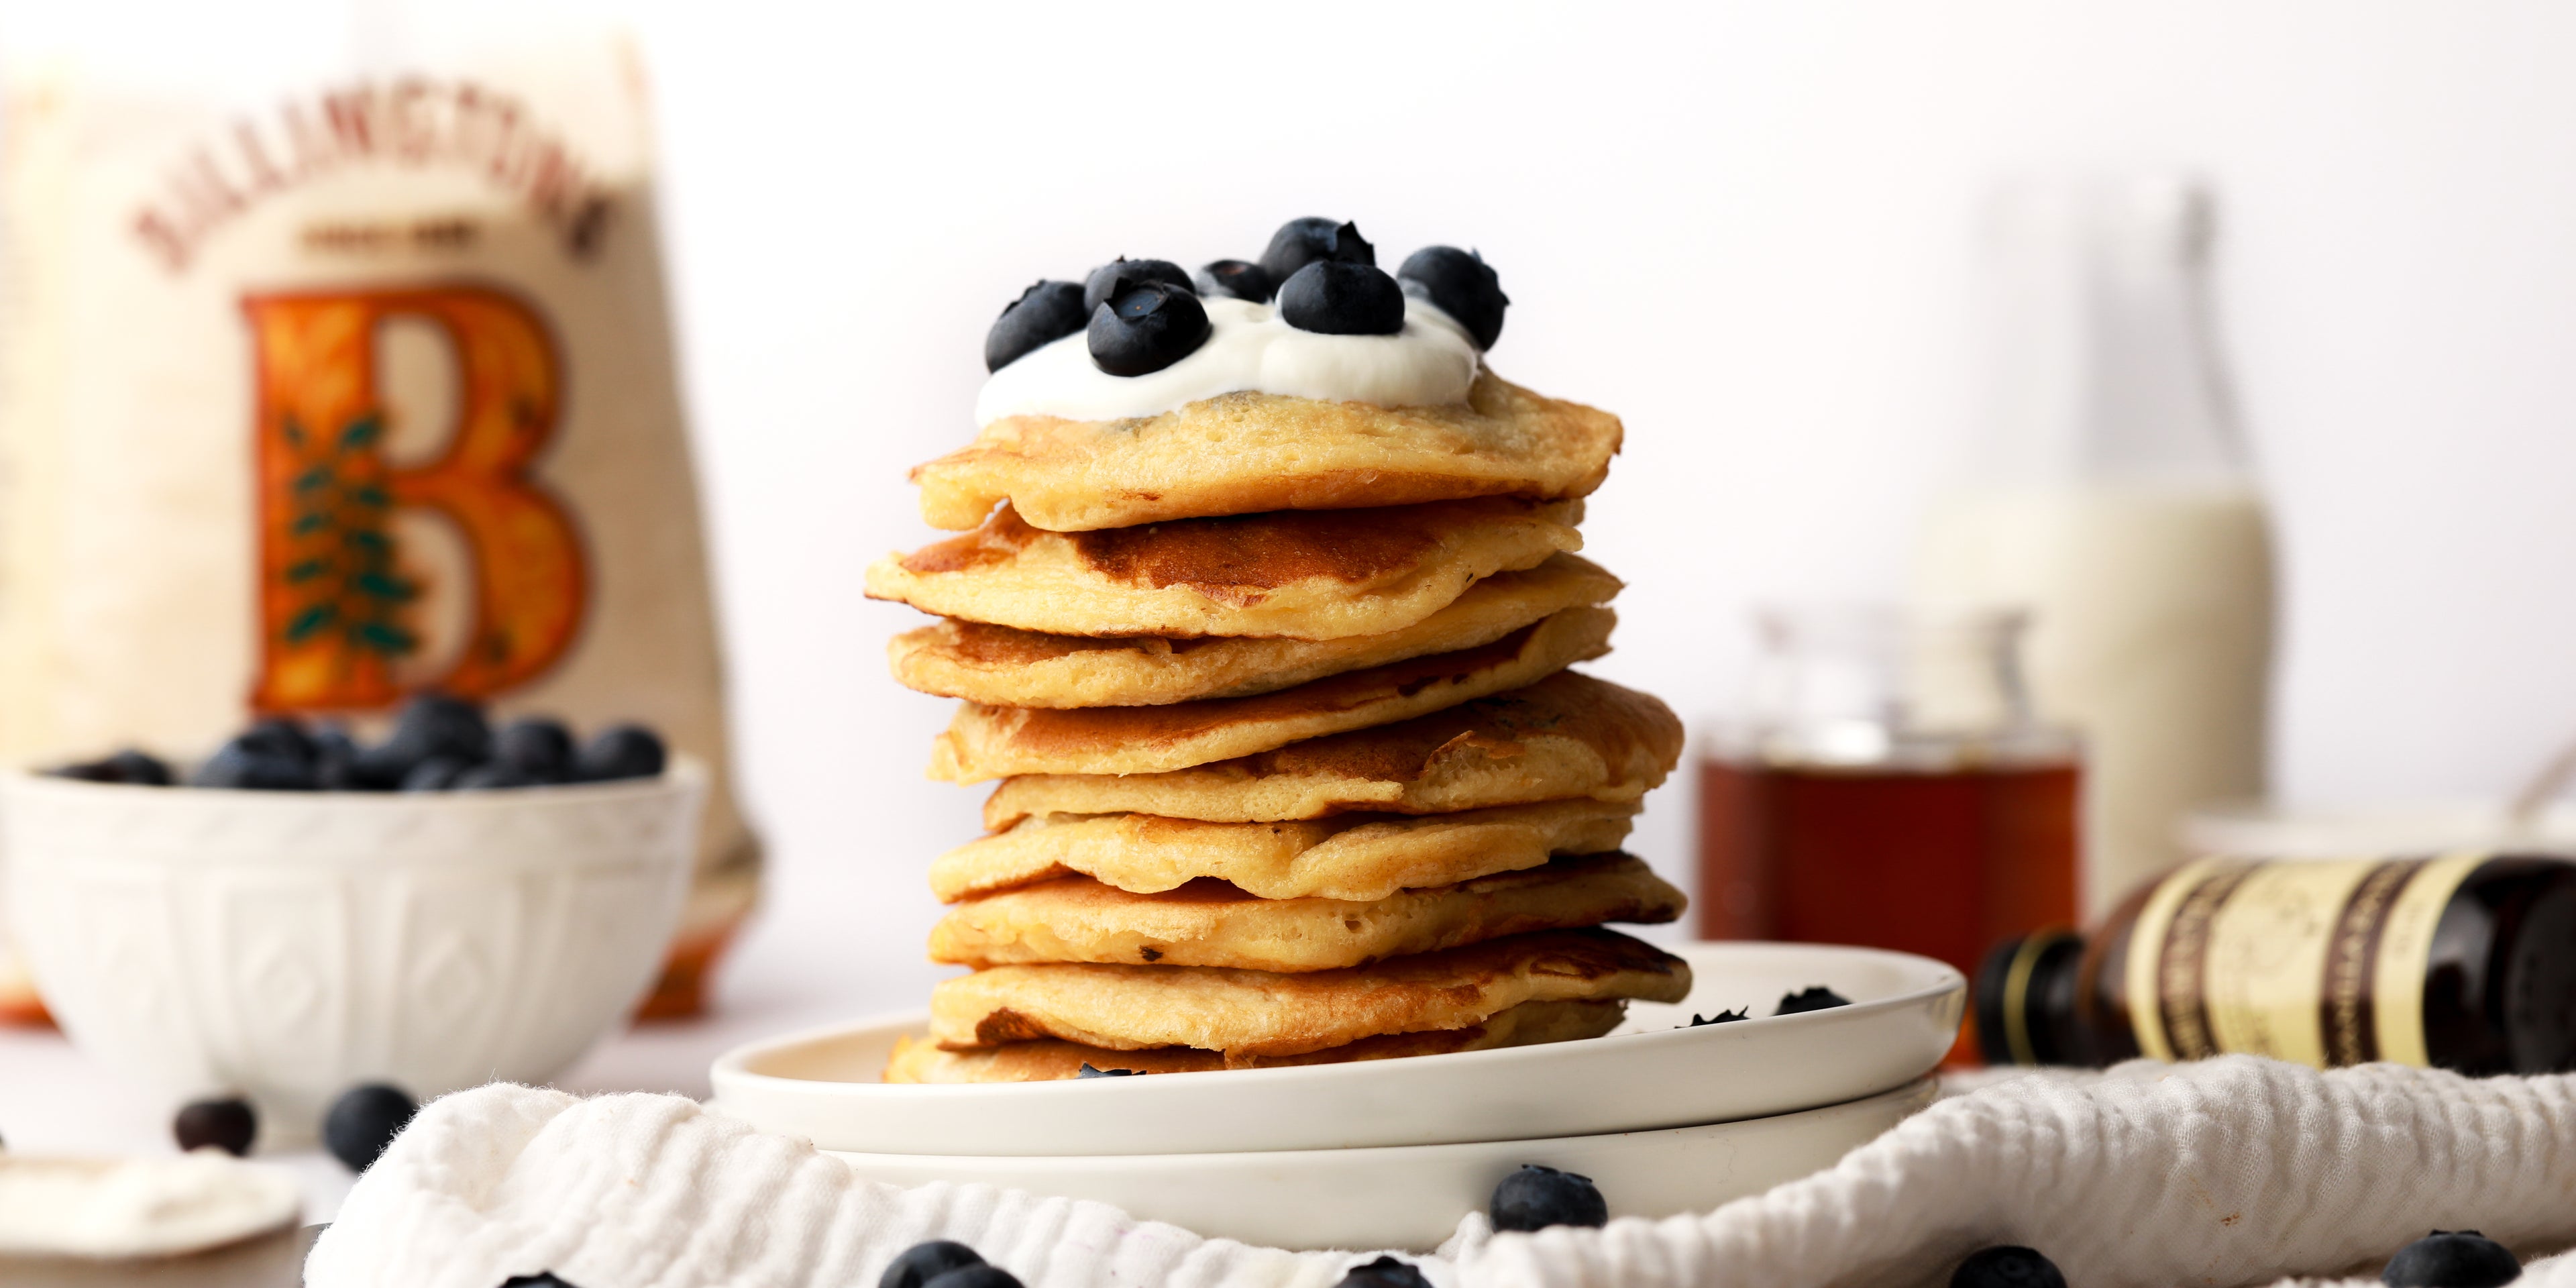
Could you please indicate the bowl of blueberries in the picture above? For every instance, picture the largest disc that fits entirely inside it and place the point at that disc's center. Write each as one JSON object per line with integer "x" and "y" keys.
{"x": 303, "y": 912}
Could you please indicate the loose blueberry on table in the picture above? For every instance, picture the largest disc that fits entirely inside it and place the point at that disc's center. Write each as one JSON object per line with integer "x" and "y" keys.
{"x": 229, "y": 1124}
{"x": 2007, "y": 1266}
{"x": 1385, "y": 1272}
{"x": 946, "y": 1263}
{"x": 975, "y": 1277}
{"x": 1536, "y": 1197}
{"x": 547, "y": 1280}
{"x": 1086, "y": 1071}
{"x": 2451, "y": 1259}
{"x": 1814, "y": 998}
{"x": 363, "y": 1121}
{"x": 132, "y": 768}
{"x": 1722, "y": 1017}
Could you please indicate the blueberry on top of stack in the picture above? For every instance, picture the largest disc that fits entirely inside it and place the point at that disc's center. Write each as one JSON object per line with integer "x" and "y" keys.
{"x": 1274, "y": 683}
{"x": 438, "y": 743}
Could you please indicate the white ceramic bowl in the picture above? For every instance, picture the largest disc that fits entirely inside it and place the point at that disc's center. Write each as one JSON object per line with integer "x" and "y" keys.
{"x": 287, "y": 945}
{"x": 822, "y": 1085}
{"x": 1412, "y": 1196}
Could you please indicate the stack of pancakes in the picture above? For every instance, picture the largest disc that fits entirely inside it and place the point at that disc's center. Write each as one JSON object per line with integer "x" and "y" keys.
{"x": 1292, "y": 769}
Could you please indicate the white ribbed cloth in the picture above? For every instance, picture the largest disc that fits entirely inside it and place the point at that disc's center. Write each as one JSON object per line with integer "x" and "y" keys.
{"x": 2229, "y": 1172}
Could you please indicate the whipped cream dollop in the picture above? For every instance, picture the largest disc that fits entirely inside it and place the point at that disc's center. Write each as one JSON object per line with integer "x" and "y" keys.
{"x": 1248, "y": 348}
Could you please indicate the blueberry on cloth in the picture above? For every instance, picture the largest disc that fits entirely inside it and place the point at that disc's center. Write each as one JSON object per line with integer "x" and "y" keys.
{"x": 923, "y": 1262}
{"x": 1103, "y": 283}
{"x": 1044, "y": 313}
{"x": 1385, "y": 1272}
{"x": 1462, "y": 285}
{"x": 278, "y": 736}
{"x": 618, "y": 752}
{"x": 1815, "y": 997}
{"x": 229, "y": 1125}
{"x": 131, "y": 767}
{"x": 1300, "y": 242}
{"x": 436, "y": 724}
{"x": 335, "y": 760}
{"x": 364, "y": 1120}
{"x": 1536, "y": 1197}
{"x": 1236, "y": 278}
{"x": 1146, "y": 327}
{"x": 246, "y": 768}
{"x": 2007, "y": 1266}
{"x": 1342, "y": 299}
{"x": 2451, "y": 1259}
{"x": 494, "y": 774}
{"x": 538, "y": 745}
{"x": 1722, "y": 1017}
{"x": 974, "y": 1277}
{"x": 547, "y": 1280}
{"x": 1086, "y": 1071}
{"x": 436, "y": 774}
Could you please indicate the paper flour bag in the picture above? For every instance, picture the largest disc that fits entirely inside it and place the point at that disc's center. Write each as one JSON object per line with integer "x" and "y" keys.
{"x": 310, "y": 402}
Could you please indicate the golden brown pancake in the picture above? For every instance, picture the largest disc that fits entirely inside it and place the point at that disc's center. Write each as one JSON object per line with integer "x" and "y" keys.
{"x": 1007, "y": 667}
{"x": 1527, "y": 1024}
{"x": 984, "y": 742}
{"x": 1252, "y": 1013}
{"x": 1346, "y": 856}
{"x": 1244, "y": 453}
{"x": 1568, "y": 736}
{"x": 1314, "y": 575}
{"x": 1211, "y": 923}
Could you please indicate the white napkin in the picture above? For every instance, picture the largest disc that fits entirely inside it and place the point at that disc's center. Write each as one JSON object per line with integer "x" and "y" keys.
{"x": 2230, "y": 1172}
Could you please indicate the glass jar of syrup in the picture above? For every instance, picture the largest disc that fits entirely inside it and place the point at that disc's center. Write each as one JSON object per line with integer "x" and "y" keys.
{"x": 2464, "y": 962}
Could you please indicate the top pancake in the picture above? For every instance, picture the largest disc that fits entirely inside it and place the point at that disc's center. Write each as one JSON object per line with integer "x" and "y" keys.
{"x": 1006, "y": 667}
{"x": 1245, "y": 453}
{"x": 1314, "y": 575}
{"x": 1567, "y": 736}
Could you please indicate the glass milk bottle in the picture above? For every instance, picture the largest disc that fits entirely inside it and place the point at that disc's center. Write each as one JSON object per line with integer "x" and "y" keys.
{"x": 2110, "y": 500}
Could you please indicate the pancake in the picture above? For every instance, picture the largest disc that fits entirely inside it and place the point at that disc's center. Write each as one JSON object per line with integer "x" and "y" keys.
{"x": 1569, "y": 736}
{"x": 1347, "y": 856}
{"x": 1527, "y": 1024}
{"x": 1007, "y": 667}
{"x": 984, "y": 742}
{"x": 1210, "y": 923}
{"x": 1244, "y": 453}
{"x": 1315, "y": 575}
{"x": 1252, "y": 1013}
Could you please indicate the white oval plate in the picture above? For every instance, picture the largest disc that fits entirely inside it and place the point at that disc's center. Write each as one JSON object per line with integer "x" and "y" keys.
{"x": 1412, "y": 1196}
{"x": 822, "y": 1084}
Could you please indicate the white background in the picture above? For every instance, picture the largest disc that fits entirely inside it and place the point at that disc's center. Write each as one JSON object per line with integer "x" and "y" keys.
{"x": 1744, "y": 228}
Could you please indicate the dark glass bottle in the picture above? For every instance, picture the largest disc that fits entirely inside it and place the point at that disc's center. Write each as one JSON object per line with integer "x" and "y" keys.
{"x": 2464, "y": 962}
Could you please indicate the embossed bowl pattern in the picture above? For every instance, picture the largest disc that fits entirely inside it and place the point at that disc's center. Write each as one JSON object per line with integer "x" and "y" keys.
{"x": 287, "y": 945}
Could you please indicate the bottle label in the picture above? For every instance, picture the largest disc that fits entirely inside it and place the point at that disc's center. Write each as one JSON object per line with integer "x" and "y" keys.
{"x": 2320, "y": 963}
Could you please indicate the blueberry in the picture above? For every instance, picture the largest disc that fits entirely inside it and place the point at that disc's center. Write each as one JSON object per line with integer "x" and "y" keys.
{"x": 493, "y": 775}
{"x": 1300, "y": 242}
{"x": 538, "y": 745}
{"x": 1815, "y": 997}
{"x": 229, "y": 1125}
{"x": 2451, "y": 1259}
{"x": 1103, "y": 284}
{"x": 335, "y": 760}
{"x": 2007, "y": 1266}
{"x": 1044, "y": 313}
{"x": 549, "y": 1279}
{"x": 974, "y": 1277}
{"x": 1536, "y": 1197}
{"x": 1088, "y": 1072}
{"x": 245, "y": 768}
{"x": 1146, "y": 327}
{"x": 436, "y": 724}
{"x": 1236, "y": 279}
{"x": 1342, "y": 299}
{"x": 923, "y": 1262}
{"x": 1722, "y": 1017}
{"x": 131, "y": 767}
{"x": 364, "y": 1120}
{"x": 436, "y": 774}
{"x": 280, "y": 736}
{"x": 618, "y": 752}
{"x": 1385, "y": 1272}
{"x": 1462, "y": 286}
